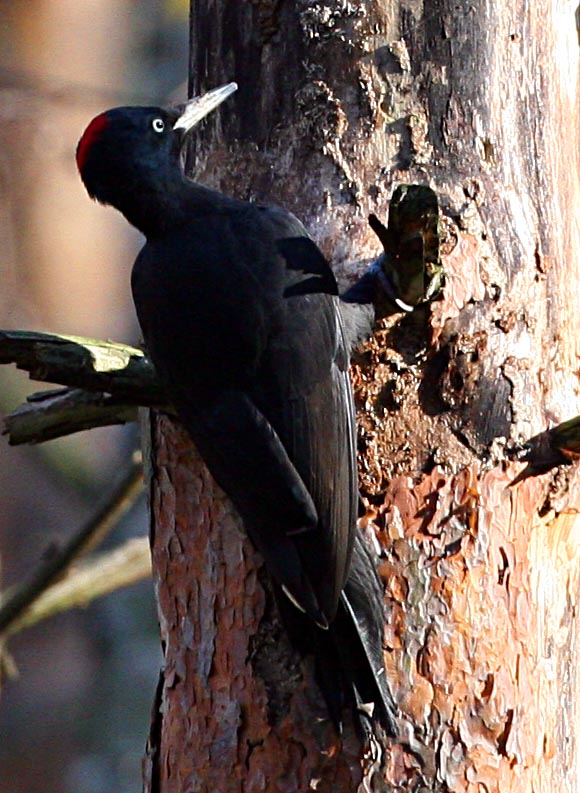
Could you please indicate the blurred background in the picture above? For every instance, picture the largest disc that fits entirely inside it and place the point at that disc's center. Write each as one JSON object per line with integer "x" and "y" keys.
{"x": 76, "y": 718}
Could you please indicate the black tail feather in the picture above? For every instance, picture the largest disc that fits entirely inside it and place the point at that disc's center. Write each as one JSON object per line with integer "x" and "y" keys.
{"x": 358, "y": 631}
{"x": 349, "y": 655}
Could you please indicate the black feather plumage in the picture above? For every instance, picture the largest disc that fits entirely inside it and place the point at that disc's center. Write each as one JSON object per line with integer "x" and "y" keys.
{"x": 241, "y": 317}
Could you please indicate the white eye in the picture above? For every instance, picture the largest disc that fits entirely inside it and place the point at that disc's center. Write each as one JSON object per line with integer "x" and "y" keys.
{"x": 158, "y": 124}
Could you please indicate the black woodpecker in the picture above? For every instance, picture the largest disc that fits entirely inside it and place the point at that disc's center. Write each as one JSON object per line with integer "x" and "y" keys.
{"x": 241, "y": 317}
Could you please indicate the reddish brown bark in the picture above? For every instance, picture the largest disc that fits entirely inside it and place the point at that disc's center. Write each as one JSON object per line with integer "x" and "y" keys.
{"x": 236, "y": 710}
{"x": 339, "y": 103}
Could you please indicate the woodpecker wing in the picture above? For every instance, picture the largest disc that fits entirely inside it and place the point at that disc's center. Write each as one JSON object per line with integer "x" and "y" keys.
{"x": 304, "y": 389}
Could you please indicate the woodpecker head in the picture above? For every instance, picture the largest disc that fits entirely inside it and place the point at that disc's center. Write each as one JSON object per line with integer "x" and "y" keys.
{"x": 128, "y": 152}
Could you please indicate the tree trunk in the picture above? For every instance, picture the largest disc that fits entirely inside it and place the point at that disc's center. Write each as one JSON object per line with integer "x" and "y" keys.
{"x": 338, "y": 103}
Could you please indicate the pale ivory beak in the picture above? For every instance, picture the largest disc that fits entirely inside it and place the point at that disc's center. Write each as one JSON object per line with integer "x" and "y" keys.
{"x": 199, "y": 107}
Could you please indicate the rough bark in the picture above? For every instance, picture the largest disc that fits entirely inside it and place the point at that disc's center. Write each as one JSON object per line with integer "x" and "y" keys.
{"x": 338, "y": 103}
{"x": 237, "y": 711}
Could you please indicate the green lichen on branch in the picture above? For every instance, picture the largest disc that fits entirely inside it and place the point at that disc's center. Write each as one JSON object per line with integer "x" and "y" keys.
{"x": 103, "y": 366}
{"x": 105, "y": 383}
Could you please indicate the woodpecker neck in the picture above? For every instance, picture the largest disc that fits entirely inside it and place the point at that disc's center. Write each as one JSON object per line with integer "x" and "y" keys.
{"x": 157, "y": 206}
{"x": 153, "y": 206}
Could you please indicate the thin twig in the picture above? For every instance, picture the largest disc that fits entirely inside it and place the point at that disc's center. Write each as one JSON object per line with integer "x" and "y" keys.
{"x": 54, "y": 414}
{"x": 103, "y": 574}
{"x": 50, "y": 570}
